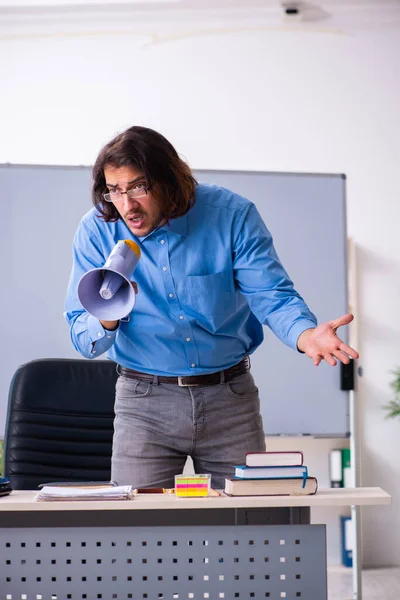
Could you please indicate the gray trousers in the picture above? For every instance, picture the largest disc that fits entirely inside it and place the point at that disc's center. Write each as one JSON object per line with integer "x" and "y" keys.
{"x": 157, "y": 426}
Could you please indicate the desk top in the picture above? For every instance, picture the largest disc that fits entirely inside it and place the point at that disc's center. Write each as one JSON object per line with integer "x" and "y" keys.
{"x": 24, "y": 501}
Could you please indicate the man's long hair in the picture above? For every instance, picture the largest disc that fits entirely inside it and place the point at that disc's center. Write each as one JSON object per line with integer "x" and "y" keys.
{"x": 168, "y": 177}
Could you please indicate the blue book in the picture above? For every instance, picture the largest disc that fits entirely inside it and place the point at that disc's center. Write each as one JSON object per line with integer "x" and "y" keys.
{"x": 278, "y": 472}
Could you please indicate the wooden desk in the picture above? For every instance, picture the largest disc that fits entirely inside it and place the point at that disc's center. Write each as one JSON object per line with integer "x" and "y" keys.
{"x": 160, "y": 547}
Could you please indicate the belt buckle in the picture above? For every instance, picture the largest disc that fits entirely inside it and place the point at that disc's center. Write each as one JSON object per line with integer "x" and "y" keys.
{"x": 181, "y": 384}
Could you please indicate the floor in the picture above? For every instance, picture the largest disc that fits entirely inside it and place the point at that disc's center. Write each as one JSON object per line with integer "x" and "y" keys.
{"x": 377, "y": 584}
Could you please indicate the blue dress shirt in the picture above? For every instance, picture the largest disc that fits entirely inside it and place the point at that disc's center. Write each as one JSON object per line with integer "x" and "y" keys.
{"x": 207, "y": 282}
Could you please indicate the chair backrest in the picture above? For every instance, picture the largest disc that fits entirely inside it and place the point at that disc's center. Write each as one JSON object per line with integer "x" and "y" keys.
{"x": 59, "y": 423}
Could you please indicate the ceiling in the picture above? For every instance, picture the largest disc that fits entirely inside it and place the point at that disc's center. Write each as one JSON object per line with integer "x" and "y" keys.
{"x": 190, "y": 4}
{"x": 23, "y": 18}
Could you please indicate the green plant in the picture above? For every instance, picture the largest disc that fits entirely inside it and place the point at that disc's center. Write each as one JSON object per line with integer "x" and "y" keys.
{"x": 393, "y": 408}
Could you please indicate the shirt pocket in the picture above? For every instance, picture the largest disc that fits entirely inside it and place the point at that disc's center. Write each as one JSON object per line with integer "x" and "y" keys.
{"x": 212, "y": 295}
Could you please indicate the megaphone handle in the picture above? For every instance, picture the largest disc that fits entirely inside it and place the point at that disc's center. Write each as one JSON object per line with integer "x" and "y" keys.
{"x": 111, "y": 284}
{"x": 110, "y": 325}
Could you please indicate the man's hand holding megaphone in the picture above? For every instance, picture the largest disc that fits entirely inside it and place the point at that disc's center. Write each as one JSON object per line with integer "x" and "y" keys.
{"x": 107, "y": 292}
{"x": 111, "y": 325}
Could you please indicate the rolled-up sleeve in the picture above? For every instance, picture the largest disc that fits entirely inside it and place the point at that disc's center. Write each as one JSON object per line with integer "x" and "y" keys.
{"x": 87, "y": 333}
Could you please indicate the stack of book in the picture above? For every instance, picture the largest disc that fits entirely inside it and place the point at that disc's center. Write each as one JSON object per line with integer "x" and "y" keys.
{"x": 271, "y": 474}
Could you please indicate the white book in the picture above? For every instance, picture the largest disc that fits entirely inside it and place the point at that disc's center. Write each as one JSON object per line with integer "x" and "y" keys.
{"x": 271, "y": 487}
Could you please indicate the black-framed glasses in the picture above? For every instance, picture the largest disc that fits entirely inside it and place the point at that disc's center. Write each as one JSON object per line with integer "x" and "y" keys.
{"x": 115, "y": 195}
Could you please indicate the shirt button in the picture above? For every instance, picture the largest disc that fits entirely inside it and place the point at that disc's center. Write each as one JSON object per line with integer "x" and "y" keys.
{"x": 188, "y": 339}
{"x": 93, "y": 351}
{"x": 192, "y": 365}
{"x": 109, "y": 336}
{"x": 171, "y": 295}
{"x": 164, "y": 268}
{"x": 162, "y": 241}
{"x": 99, "y": 334}
{"x": 181, "y": 317}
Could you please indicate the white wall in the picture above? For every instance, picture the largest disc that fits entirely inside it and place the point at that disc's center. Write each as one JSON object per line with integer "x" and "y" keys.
{"x": 257, "y": 100}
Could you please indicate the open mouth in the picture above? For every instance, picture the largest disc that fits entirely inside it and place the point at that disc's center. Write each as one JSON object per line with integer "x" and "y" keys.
{"x": 136, "y": 221}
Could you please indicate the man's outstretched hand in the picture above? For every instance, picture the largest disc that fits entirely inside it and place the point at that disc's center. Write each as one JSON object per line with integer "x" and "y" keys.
{"x": 322, "y": 342}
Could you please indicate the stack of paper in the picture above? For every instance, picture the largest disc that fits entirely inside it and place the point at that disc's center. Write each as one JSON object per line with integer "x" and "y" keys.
{"x": 121, "y": 492}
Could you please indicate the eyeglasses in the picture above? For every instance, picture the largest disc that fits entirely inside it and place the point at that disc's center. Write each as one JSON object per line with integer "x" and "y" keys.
{"x": 115, "y": 195}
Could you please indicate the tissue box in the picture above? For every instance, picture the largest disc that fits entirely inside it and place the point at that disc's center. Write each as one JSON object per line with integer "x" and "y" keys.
{"x": 192, "y": 486}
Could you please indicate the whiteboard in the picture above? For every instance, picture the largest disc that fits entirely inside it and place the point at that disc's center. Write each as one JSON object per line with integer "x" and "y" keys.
{"x": 306, "y": 214}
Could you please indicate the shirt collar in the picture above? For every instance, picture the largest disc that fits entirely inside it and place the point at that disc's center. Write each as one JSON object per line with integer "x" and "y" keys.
{"x": 179, "y": 225}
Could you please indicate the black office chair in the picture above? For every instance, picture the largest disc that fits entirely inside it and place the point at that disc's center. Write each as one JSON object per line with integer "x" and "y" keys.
{"x": 59, "y": 422}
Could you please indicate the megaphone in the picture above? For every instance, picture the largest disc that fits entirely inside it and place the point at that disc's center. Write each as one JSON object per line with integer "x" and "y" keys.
{"x": 107, "y": 292}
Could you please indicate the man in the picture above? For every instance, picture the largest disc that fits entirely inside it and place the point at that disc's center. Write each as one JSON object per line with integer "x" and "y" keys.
{"x": 208, "y": 278}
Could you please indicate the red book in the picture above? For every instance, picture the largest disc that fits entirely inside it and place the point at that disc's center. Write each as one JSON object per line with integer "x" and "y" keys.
{"x": 287, "y": 458}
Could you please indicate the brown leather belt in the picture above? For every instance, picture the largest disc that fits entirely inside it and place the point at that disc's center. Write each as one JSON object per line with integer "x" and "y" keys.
{"x": 191, "y": 380}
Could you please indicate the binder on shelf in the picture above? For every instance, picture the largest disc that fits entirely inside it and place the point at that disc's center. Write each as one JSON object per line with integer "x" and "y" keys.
{"x": 347, "y": 541}
{"x": 335, "y": 468}
{"x": 346, "y": 468}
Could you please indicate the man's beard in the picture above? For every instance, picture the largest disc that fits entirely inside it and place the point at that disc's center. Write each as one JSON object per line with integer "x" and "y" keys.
{"x": 150, "y": 226}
